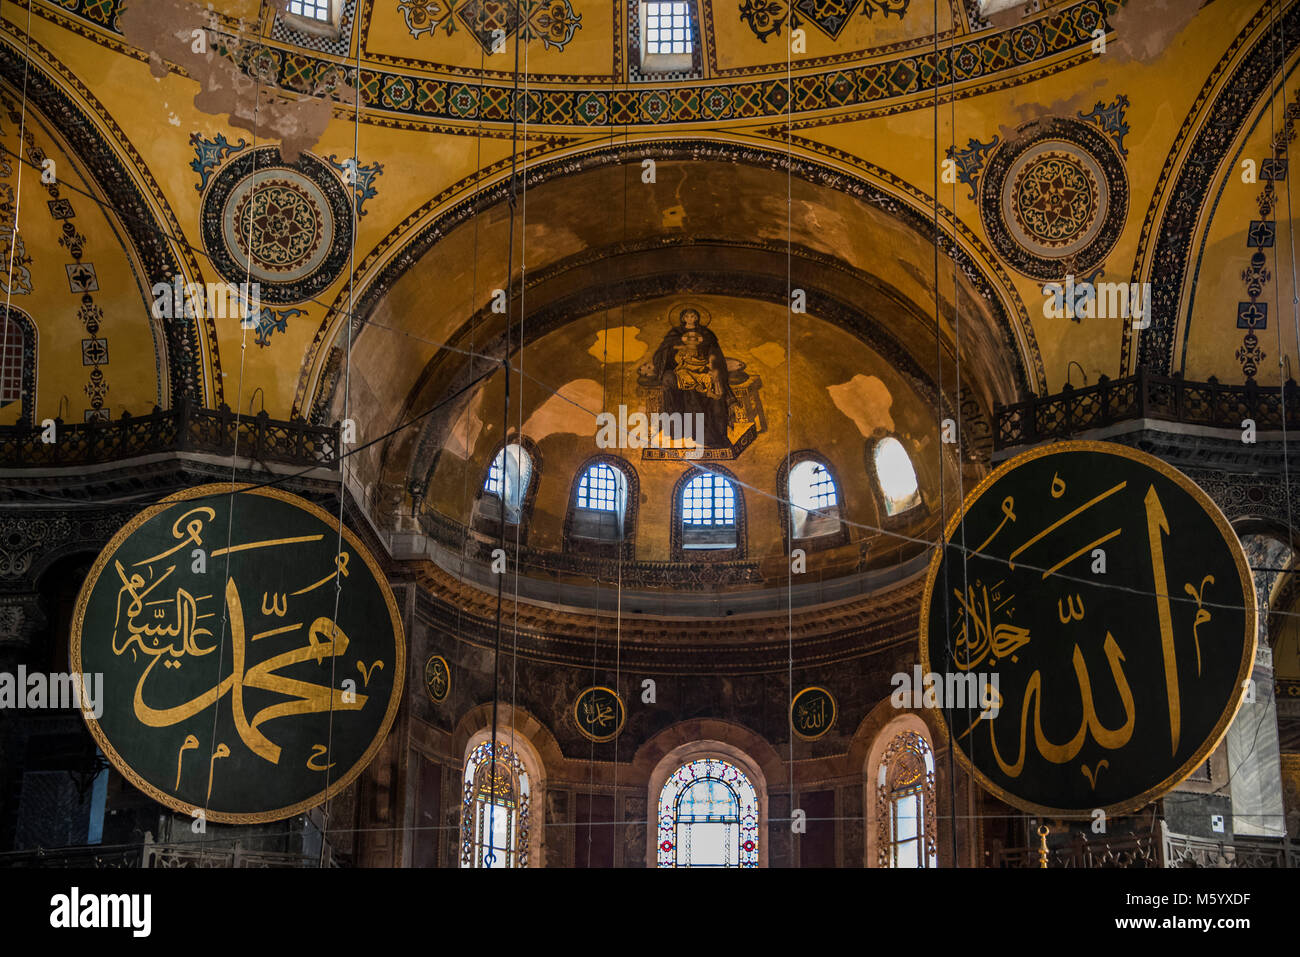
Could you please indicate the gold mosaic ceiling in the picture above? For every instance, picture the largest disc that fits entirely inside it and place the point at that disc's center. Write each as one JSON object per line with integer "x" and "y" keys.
{"x": 867, "y": 110}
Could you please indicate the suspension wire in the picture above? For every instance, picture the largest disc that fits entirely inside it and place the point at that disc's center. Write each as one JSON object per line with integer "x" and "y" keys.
{"x": 355, "y": 172}
{"x": 489, "y": 858}
{"x": 789, "y": 402}
{"x": 9, "y": 321}
{"x": 595, "y": 651}
{"x": 244, "y": 307}
{"x": 961, "y": 434}
{"x": 618, "y": 602}
{"x": 521, "y": 106}
{"x": 939, "y": 404}
{"x": 465, "y": 506}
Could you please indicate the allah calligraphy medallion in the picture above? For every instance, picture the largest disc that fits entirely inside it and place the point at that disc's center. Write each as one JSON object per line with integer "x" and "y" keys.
{"x": 812, "y": 713}
{"x": 253, "y": 662}
{"x": 285, "y": 226}
{"x": 1094, "y": 645}
{"x": 599, "y": 713}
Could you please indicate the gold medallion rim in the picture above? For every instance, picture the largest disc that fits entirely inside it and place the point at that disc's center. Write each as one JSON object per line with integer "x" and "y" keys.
{"x": 622, "y": 714}
{"x": 399, "y": 634}
{"x": 835, "y": 713}
{"x": 1244, "y": 669}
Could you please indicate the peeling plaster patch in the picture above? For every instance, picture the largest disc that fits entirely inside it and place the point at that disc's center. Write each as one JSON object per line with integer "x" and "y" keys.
{"x": 469, "y": 425}
{"x": 165, "y": 29}
{"x": 866, "y": 401}
{"x": 560, "y": 241}
{"x": 1032, "y": 110}
{"x": 556, "y": 415}
{"x": 624, "y": 346}
{"x": 1144, "y": 30}
{"x": 769, "y": 353}
{"x": 1002, "y": 14}
{"x": 674, "y": 217}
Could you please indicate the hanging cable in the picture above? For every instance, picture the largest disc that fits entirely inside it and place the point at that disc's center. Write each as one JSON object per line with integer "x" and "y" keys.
{"x": 9, "y": 321}
{"x": 490, "y": 857}
{"x": 239, "y": 402}
{"x": 355, "y": 173}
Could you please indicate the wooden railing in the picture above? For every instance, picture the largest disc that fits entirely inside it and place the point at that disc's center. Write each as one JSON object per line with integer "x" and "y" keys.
{"x": 1146, "y": 396}
{"x": 182, "y": 428}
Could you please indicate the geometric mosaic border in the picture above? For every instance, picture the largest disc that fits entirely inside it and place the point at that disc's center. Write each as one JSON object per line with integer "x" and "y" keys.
{"x": 417, "y": 95}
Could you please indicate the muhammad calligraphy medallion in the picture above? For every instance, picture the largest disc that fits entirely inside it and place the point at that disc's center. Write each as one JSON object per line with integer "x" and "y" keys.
{"x": 599, "y": 713}
{"x": 253, "y": 661}
{"x": 1091, "y": 626}
{"x": 812, "y": 713}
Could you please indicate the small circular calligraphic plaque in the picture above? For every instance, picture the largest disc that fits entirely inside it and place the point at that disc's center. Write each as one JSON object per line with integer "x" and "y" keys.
{"x": 237, "y": 678}
{"x": 1091, "y": 625}
{"x": 437, "y": 678}
{"x": 812, "y": 713}
{"x": 599, "y": 713}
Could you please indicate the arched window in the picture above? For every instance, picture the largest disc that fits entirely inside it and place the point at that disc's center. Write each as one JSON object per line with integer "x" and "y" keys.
{"x": 601, "y": 503}
{"x": 895, "y": 476}
{"x": 905, "y": 796}
{"x": 18, "y": 361}
{"x": 508, "y": 479}
{"x": 495, "y": 813}
{"x": 814, "y": 502}
{"x": 708, "y": 817}
{"x": 709, "y": 512}
{"x": 11, "y": 360}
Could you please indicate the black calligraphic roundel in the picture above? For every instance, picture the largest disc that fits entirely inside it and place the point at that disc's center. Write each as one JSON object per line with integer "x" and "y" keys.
{"x": 1088, "y": 630}
{"x": 599, "y": 713}
{"x": 812, "y": 713}
{"x": 252, "y": 661}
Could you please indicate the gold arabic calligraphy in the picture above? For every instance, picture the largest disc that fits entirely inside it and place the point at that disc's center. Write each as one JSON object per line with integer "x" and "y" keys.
{"x": 169, "y": 628}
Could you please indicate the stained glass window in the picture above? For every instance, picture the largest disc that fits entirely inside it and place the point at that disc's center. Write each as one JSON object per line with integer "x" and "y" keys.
{"x": 905, "y": 797}
{"x": 896, "y": 476}
{"x": 708, "y": 817}
{"x": 495, "y": 811}
{"x": 510, "y": 473}
{"x": 814, "y": 506}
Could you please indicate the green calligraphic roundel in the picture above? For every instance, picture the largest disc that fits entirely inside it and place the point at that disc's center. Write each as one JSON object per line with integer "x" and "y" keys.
{"x": 1087, "y": 631}
{"x": 599, "y": 713}
{"x": 812, "y": 713}
{"x": 252, "y": 661}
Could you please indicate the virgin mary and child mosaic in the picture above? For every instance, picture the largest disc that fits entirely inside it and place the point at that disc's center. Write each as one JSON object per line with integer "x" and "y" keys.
{"x": 692, "y": 381}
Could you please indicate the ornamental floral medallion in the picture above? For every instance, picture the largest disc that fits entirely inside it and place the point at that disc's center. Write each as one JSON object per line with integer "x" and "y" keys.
{"x": 1054, "y": 199}
{"x": 285, "y": 226}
